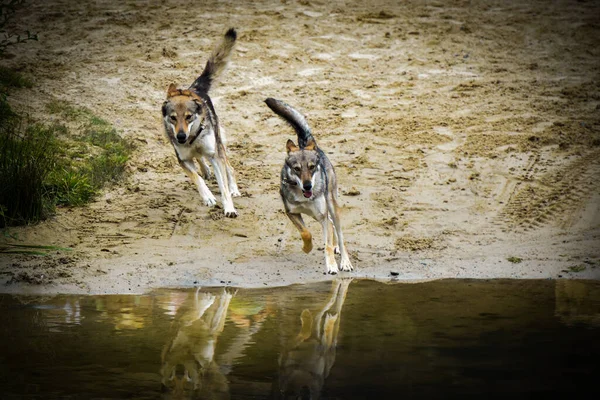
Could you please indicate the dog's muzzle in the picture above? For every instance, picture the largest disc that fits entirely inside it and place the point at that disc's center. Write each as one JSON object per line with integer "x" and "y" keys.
{"x": 181, "y": 137}
{"x": 307, "y": 189}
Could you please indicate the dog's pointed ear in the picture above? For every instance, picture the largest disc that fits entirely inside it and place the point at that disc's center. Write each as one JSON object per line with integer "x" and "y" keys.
{"x": 310, "y": 144}
{"x": 199, "y": 105}
{"x": 290, "y": 146}
{"x": 172, "y": 90}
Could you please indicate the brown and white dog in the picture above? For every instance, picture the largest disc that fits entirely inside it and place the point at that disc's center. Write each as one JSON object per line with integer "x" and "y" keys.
{"x": 309, "y": 186}
{"x": 192, "y": 126}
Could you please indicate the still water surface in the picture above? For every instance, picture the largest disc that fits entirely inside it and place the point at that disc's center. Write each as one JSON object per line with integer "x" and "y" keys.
{"x": 335, "y": 340}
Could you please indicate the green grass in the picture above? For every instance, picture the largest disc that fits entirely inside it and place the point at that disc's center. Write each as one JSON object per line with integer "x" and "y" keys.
{"x": 68, "y": 111}
{"x": 26, "y": 157}
{"x": 70, "y": 187}
{"x": 514, "y": 260}
{"x": 96, "y": 156}
{"x": 43, "y": 166}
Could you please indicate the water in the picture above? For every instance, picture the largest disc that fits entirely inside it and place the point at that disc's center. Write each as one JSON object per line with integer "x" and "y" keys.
{"x": 341, "y": 340}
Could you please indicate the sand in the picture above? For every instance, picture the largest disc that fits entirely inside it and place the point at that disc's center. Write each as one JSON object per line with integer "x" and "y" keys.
{"x": 465, "y": 136}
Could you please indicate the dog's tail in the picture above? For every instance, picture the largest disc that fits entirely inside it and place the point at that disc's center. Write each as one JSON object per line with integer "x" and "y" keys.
{"x": 292, "y": 117}
{"x": 216, "y": 63}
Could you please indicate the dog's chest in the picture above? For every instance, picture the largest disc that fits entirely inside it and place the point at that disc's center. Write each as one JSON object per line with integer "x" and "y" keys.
{"x": 316, "y": 207}
{"x": 186, "y": 152}
{"x": 204, "y": 145}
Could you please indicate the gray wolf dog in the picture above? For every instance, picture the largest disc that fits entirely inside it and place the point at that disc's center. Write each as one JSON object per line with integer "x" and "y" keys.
{"x": 306, "y": 362}
{"x": 192, "y": 126}
{"x": 309, "y": 186}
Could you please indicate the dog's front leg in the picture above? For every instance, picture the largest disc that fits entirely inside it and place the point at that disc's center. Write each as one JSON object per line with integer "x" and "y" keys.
{"x": 190, "y": 169}
{"x": 304, "y": 233}
{"x": 333, "y": 237}
{"x": 221, "y": 175}
{"x": 345, "y": 263}
{"x": 330, "y": 262}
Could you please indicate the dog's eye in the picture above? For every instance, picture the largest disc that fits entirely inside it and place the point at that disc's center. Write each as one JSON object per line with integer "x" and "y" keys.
{"x": 297, "y": 168}
{"x": 188, "y": 118}
{"x": 173, "y": 118}
{"x": 311, "y": 167}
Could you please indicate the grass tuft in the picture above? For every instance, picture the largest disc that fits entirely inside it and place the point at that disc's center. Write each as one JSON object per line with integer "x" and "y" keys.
{"x": 44, "y": 166}
{"x": 26, "y": 158}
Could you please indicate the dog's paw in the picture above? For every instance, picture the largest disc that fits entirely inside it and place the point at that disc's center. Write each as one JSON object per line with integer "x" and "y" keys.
{"x": 332, "y": 268}
{"x": 346, "y": 265}
{"x": 231, "y": 213}
{"x": 330, "y": 263}
{"x": 308, "y": 244}
{"x": 235, "y": 193}
{"x": 210, "y": 201}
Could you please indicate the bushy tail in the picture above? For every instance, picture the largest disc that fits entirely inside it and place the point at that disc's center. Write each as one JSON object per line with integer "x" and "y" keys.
{"x": 216, "y": 63}
{"x": 294, "y": 118}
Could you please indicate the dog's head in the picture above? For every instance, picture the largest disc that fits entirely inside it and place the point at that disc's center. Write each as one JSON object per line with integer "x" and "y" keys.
{"x": 302, "y": 165}
{"x": 184, "y": 114}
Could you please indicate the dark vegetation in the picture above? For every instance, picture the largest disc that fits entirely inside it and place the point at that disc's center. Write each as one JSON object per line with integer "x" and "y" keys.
{"x": 47, "y": 165}
{"x": 42, "y": 165}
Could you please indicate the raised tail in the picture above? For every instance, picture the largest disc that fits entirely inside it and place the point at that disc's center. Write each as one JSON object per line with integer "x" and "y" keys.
{"x": 216, "y": 63}
{"x": 292, "y": 117}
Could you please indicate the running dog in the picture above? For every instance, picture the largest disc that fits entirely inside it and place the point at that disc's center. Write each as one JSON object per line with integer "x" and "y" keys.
{"x": 309, "y": 186}
{"x": 192, "y": 126}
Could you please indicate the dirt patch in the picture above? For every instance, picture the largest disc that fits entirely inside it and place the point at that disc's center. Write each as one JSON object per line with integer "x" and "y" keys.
{"x": 410, "y": 243}
{"x": 475, "y": 124}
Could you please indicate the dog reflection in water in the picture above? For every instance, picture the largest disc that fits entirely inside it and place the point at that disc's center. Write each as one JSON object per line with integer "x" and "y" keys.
{"x": 188, "y": 366}
{"x": 305, "y": 363}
